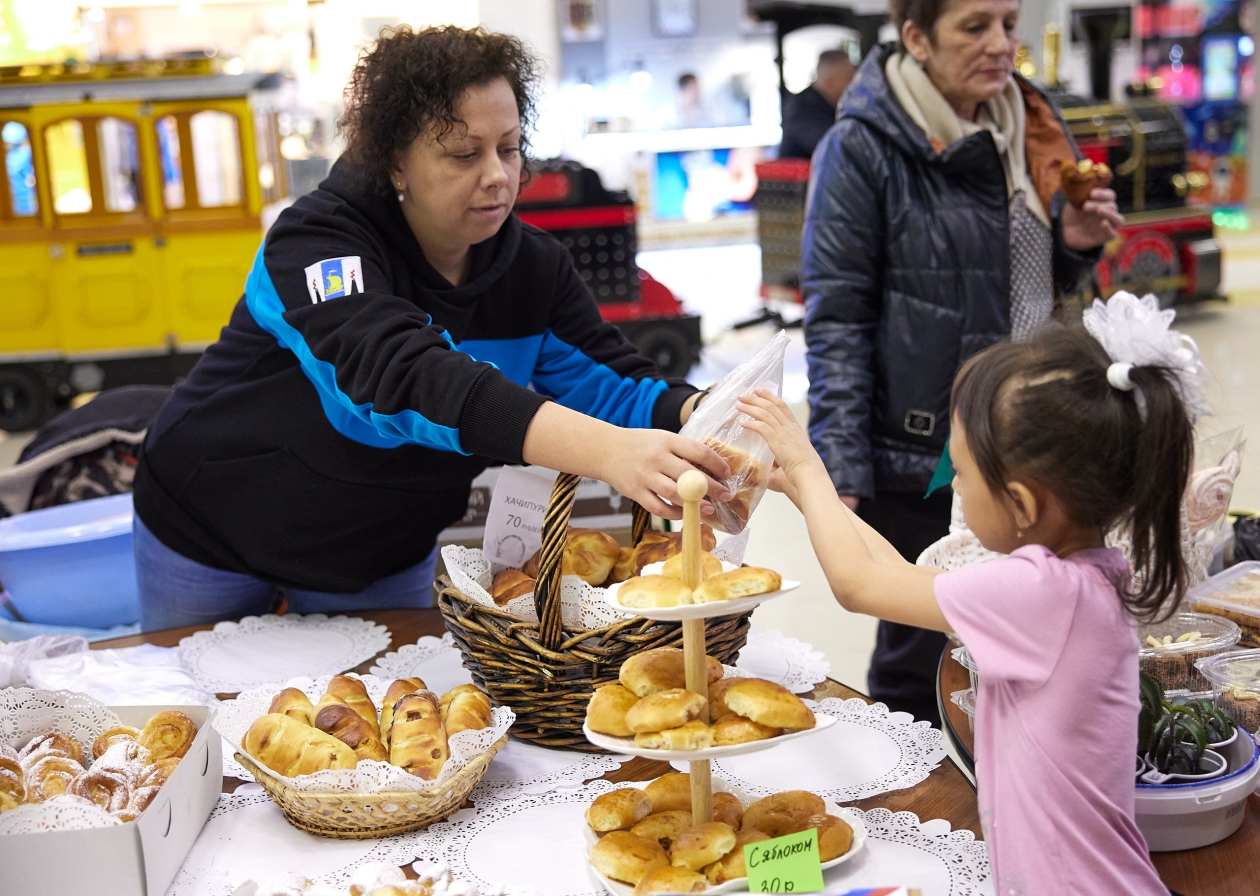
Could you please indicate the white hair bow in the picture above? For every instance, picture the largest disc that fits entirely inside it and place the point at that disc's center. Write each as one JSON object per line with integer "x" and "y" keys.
{"x": 1138, "y": 333}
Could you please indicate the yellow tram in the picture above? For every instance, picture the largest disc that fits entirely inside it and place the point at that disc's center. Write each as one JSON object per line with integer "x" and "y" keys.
{"x": 130, "y": 211}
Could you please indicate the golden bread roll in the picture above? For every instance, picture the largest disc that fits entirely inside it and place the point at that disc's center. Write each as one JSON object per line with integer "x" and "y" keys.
{"x": 748, "y": 477}
{"x": 665, "y": 709}
{"x": 728, "y": 808}
{"x": 623, "y": 856}
{"x": 324, "y": 700}
{"x": 710, "y": 566}
{"x": 623, "y": 569}
{"x": 656, "y": 547}
{"x": 733, "y": 729}
{"x": 835, "y": 836}
{"x": 618, "y": 810}
{"x": 398, "y": 688}
{"x": 444, "y": 702}
{"x": 670, "y": 792}
{"x": 355, "y": 695}
{"x": 289, "y": 748}
{"x": 783, "y": 813}
{"x": 468, "y": 712}
{"x": 702, "y": 845}
{"x": 671, "y": 880}
{"x": 13, "y": 791}
{"x": 510, "y": 583}
{"x": 590, "y": 555}
{"x": 167, "y": 735}
{"x": 663, "y": 827}
{"x": 769, "y": 704}
{"x": 695, "y": 735}
{"x": 606, "y": 713}
{"x": 348, "y": 726}
{"x": 417, "y": 741}
{"x": 661, "y": 669}
{"x": 111, "y": 736}
{"x": 1079, "y": 179}
{"x": 292, "y": 703}
{"x": 743, "y": 582}
{"x": 653, "y": 591}
{"x": 731, "y": 866}
{"x": 54, "y": 743}
{"x": 717, "y": 698}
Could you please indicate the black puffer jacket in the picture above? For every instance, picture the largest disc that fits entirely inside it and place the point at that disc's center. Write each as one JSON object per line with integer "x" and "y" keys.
{"x": 905, "y": 268}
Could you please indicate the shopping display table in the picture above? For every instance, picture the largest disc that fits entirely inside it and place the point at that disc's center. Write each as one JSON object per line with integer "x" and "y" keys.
{"x": 1223, "y": 869}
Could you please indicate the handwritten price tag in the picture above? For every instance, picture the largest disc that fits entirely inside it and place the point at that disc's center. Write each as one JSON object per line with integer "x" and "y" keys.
{"x": 514, "y": 520}
{"x": 785, "y": 864}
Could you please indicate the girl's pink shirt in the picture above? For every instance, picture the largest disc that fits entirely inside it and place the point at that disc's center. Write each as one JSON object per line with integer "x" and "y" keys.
{"x": 1056, "y": 721}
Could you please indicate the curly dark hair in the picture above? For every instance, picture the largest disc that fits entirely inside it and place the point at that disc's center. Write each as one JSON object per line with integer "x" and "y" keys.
{"x": 411, "y": 81}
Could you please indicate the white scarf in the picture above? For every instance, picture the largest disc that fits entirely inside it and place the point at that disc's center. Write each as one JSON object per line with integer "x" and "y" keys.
{"x": 1002, "y": 116}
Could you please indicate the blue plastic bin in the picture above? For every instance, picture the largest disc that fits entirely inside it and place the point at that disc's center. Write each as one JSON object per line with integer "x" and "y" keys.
{"x": 72, "y": 564}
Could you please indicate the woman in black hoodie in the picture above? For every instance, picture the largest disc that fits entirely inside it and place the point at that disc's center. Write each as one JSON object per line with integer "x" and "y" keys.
{"x": 400, "y": 331}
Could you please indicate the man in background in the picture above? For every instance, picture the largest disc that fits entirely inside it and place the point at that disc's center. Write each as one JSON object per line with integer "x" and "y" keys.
{"x": 808, "y": 114}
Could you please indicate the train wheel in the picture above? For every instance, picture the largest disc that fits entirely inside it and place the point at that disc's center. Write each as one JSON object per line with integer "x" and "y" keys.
{"x": 667, "y": 349}
{"x": 23, "y": 400}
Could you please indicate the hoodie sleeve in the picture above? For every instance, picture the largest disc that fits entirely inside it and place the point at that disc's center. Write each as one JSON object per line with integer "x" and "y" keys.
{"x": 385, "y": 374}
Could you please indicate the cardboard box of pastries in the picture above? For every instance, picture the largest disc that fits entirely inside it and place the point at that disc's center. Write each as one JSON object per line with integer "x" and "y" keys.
{"x": 136, "y": 859}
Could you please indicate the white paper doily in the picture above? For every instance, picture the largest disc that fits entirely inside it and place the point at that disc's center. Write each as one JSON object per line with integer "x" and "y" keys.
{"x": 866, "y": 753}
{"x": 65, "y": 812}
{"x": 436, "y": 660}
{"x": 26, "y": 712}
{"x": 772, "y": 655}
{"x": 368, "y": 776}
{"x": 234, "y": 656}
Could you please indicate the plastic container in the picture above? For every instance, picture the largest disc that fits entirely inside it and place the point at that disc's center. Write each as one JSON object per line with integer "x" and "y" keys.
{"x": 1190, "y": 815}
{"x": 1233, "y": 594}
{"x": 966, "y": 701}
{"x": 1235, "y": 679}
{"x": 963, "y": 657}
{"x": 1173, "y": 664}
{"x": 72, "y": 564}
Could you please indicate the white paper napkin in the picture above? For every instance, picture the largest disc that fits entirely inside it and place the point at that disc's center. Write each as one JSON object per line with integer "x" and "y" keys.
{"x": 127, "y": 676}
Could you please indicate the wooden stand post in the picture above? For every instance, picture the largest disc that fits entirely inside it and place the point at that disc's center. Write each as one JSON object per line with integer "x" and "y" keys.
{"x": 692, "y": 487}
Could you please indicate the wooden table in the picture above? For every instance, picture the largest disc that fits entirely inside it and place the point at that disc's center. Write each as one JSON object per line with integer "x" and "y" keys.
{"x": 1228, "y": 868}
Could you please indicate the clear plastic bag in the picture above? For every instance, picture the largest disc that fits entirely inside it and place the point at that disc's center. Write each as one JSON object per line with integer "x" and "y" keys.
{"x": 719, "y": 425}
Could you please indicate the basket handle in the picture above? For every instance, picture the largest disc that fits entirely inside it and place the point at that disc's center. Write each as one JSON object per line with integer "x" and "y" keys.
{"x": 551, "y": 556}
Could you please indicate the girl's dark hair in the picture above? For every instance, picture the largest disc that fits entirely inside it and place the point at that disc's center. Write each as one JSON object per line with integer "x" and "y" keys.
{"x": 412, "y": 80}
{"x": 1044, "y": 410}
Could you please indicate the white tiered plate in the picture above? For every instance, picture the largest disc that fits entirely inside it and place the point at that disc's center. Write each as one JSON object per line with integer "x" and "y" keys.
{"x": 626, "y": 744}
{"x": 697, "y": 611}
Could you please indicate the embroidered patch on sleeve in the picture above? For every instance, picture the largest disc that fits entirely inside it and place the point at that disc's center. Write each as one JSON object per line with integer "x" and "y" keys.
{"x": 333, "y": 278}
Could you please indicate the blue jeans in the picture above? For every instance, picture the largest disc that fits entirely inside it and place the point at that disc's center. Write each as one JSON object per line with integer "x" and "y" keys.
{"x": 176, "y": 591}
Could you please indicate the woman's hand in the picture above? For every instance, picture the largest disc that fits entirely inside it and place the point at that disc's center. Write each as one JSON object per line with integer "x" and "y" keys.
{"x": 644, "y": 465}
{"x": 1094, "y": 223}
{"x": 794, "y": 456}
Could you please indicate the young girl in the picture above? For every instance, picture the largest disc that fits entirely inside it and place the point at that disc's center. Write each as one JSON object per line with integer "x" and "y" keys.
{"x": 1054, "y": 443}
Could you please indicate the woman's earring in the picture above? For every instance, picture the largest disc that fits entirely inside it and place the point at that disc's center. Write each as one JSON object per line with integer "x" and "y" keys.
{"x": 1019, "y": 533}
{"x": 400, "y": 192}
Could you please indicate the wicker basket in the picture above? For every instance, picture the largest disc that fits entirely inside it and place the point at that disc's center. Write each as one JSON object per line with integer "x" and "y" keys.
{"x": 546, "y": 671}
{"x": 362, "y": 816}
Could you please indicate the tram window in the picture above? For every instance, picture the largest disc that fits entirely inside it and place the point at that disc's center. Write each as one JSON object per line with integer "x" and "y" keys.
{"x": 172, "y": 163}
{"x": 20, "y": 170}
{"x": 120, "y": 164}
{"x": 68, "y": 168}
{"x": 216, "y": 158}
{"x": 268, "y": 157}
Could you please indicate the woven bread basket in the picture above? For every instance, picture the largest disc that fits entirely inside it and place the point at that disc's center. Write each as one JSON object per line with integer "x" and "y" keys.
{"x": 546, "y": 671}
{"x": 362, "y": 816}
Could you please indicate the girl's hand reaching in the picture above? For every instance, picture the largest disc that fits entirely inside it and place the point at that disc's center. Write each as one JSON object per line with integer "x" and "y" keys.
{"x": 795, "y": 458}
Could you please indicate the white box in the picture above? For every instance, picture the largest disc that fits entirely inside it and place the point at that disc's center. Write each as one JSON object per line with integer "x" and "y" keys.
{"x": 137, "y": 859}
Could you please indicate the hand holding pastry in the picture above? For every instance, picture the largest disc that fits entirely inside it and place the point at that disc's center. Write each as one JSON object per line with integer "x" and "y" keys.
{"x": 1091, "y": 216}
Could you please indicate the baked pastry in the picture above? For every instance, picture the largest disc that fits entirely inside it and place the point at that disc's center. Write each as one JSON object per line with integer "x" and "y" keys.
{"x": 293, "y": 703}
{"x": 661, "y": 669}
{"x": 417, "y": 741}
{"x": 606, "y": 713}
{"x": 768, "y": 703}
{"x": 623, "y": 856}
{"x": 731, "y": 866}
{"x": 835, "y": 836}
{"x": 398, "y": 688}
{"x": 624, "y": 568}
{"x": 717, "y": 697}
{"x": 12, "y": 790}
{"x": 54, "y": 743}
{"x": 168, "y": 734}
{"x": 590, "y": 555}
{"x": 111, "y": 736}
{"x": 444, "y": 702}
{"x": 141, "y": 797}
{"x": 695, "y": 735}
{"x": 702, "y": 845}
{"x": 355, "y": 695}
{"x": 653, "y": 591}
{"x": 466, "y": 711}
{"x": 670, "y": 792}
{"x": 324, "y": 700}
{"x": 663, "y": 827}
{"x": 710, "y": 566}
{"x": 743, "y": 582}
{"x": 289, "y": 748}
{"x": 158, "y": 773}
{"x": 733, "y": 729}
{"x": 1080, "y": 178}
{"x": 50, "y": 775}
{"x": 510, "y": 583}
{"x": 749, "y": 477}
{"x": 656, "y": 547}
{"x": 618, "y": 810}
{"x": 108, "y": 788}
{"x": 348, "y": 726}
{"x": 665, "y": 709}
{"x": 9, "y": 760}
{"x": 783, "y": 813}
{"x": 671, "y": 880}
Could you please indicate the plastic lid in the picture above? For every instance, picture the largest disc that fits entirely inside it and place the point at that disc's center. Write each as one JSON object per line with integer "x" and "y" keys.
{"x": 1236, "y": 669}
{"x": 1237, "y": 589}
{"x": 1215, "y": 634}
{"x": 966, "y": 700}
